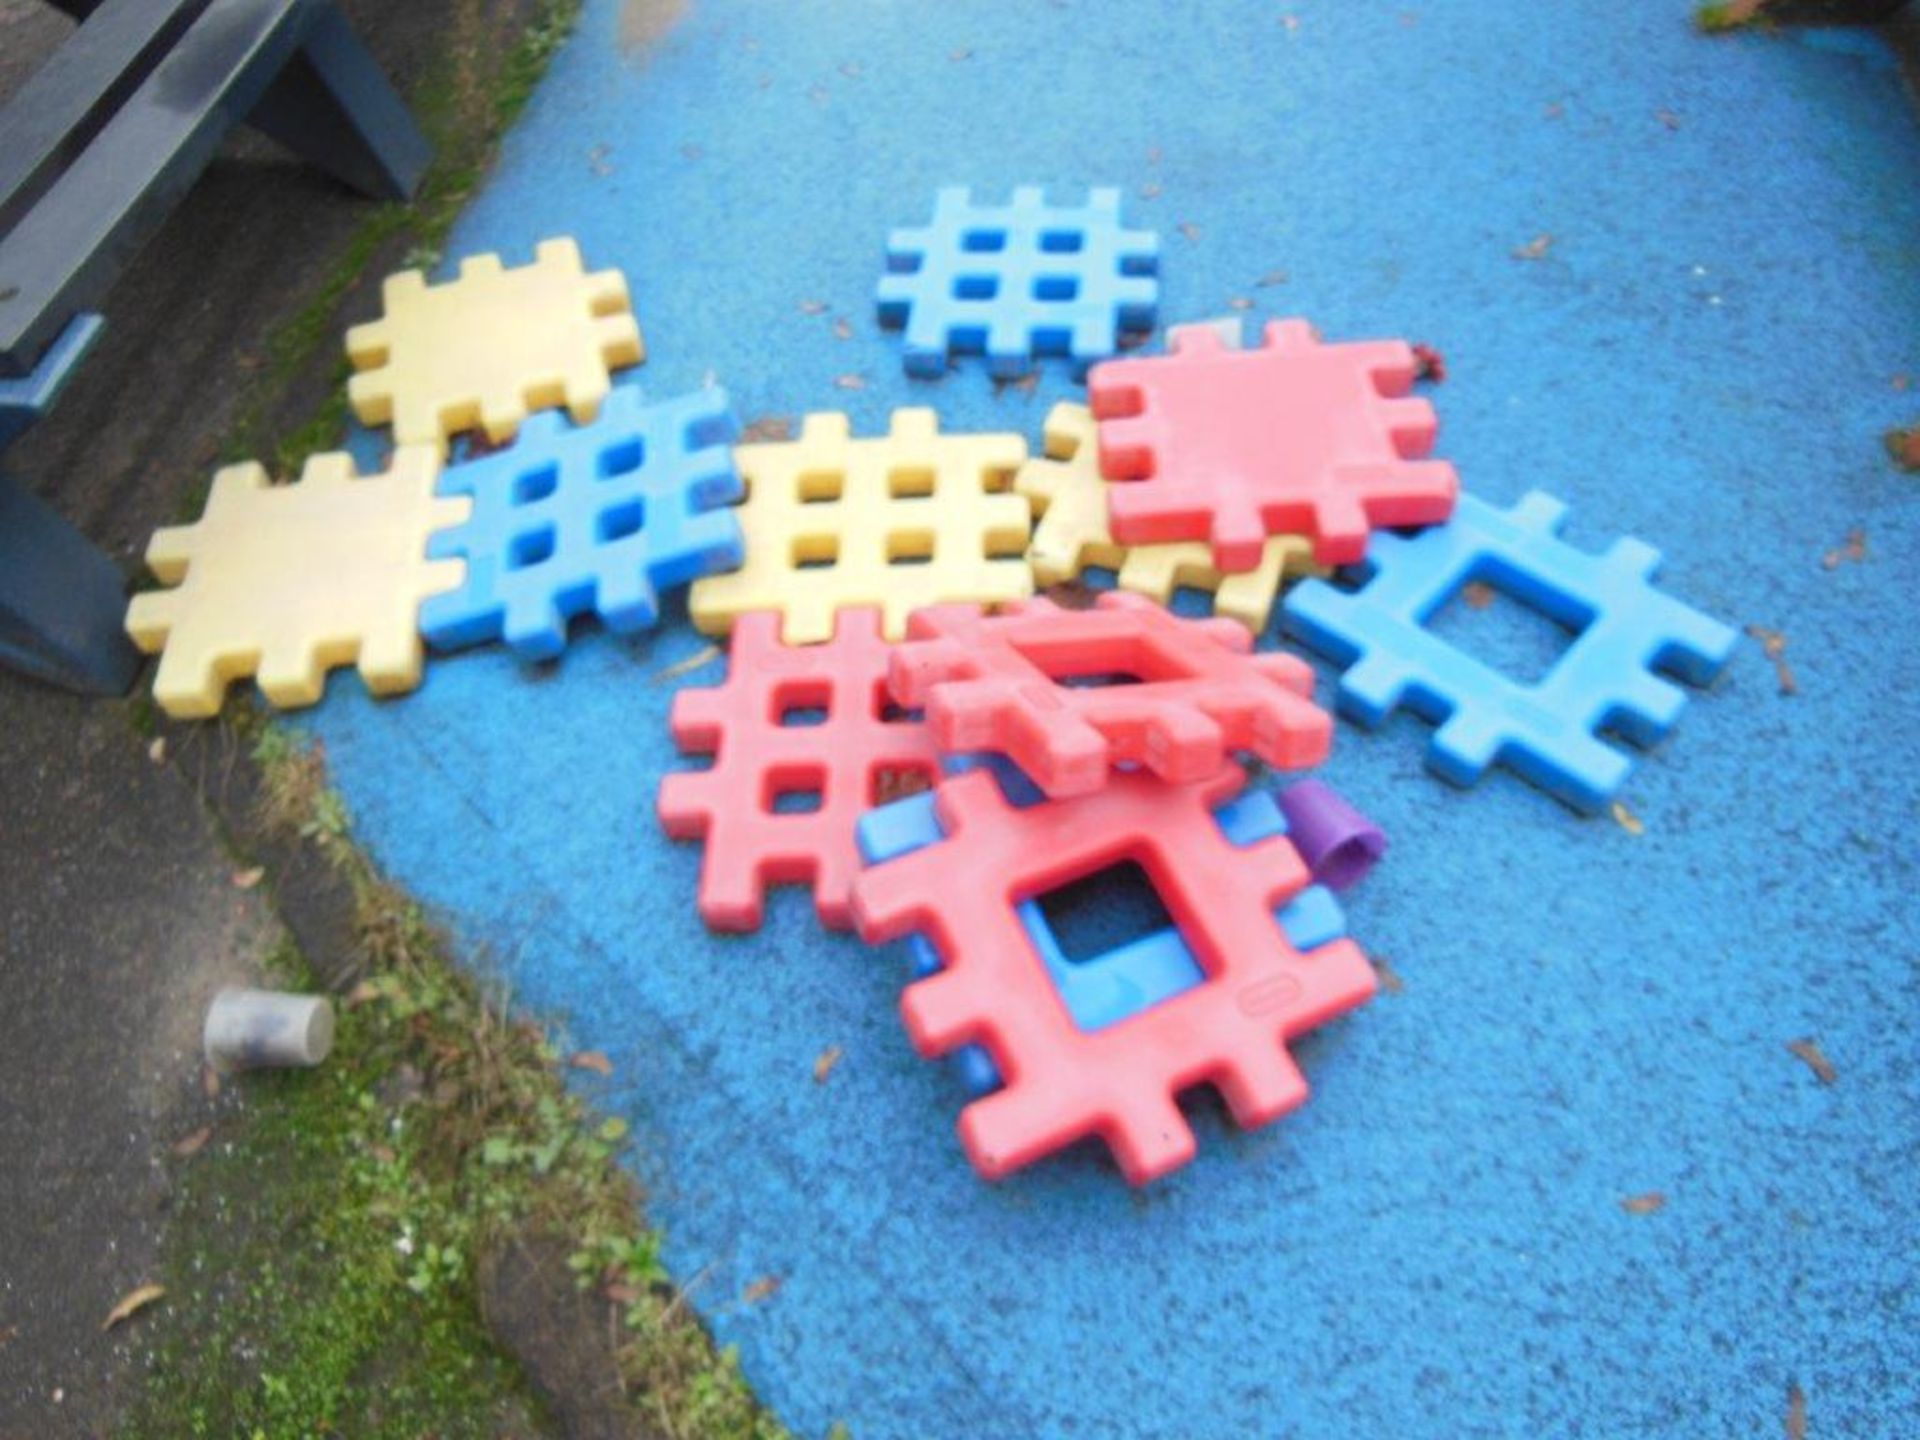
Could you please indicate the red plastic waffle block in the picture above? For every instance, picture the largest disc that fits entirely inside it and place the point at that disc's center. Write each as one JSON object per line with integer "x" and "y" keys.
{"x": 1069, "y": 694}
{"x": 804, "y": 742}
{"x": 1296, "y": 437}
{"x": 1120, "y": 1083}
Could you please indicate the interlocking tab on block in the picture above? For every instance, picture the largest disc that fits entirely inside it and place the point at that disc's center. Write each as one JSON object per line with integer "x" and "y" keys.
{"x": 595, "y": 518}
{"x": 1104, "y": 989}
{"x": 804, "y": 742}
{"x": 1547, "y": 731}
{"x": 1119, "y": 1083}
{"x": 910, "y": 519}
{"x": 287, "y": 582}
{"x": 1295, "y": 438}
{"x": 1019, "y": 281}
{"x": 1069, "y": 496}
{"x": 1070, "y": 694}
{"x": 486, "y": 349}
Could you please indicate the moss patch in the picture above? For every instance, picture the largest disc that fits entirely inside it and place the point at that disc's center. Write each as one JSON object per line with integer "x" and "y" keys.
{"x": 322, "y": 1268}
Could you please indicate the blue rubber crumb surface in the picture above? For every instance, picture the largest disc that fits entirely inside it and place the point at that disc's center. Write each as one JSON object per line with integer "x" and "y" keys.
{"x": 1702, "y": 356}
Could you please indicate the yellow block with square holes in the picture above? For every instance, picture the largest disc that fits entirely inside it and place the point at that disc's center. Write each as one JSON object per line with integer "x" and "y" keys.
{"x": 486, "y": 349}
{"x": 287, "y": 582}
{"x": 1070, "y": 498}
{"x": 915, "y": 518}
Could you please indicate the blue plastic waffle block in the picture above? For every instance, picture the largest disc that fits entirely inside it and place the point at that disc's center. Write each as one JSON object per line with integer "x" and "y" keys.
{"x": 1106, "y": 988}
{"x": 595, "y": 517}
{"x": 1547, "y": 731}
{"x": 1018, "y": 281}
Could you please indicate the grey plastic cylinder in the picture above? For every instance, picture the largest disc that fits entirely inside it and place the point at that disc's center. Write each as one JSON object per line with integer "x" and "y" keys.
{"x": 267, "y": 1030}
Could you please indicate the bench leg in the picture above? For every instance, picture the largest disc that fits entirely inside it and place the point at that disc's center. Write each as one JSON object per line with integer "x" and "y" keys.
{"x": 334, "y": 108}
{"x": 63, "y": 604}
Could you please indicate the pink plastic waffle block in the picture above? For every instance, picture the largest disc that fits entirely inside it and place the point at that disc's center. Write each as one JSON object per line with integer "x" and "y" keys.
{"x": 1070, "y": 694}
{"x": 1121, "y": 1083}
{"x": 1296, "y": 437}
{"x": 804, "y": 742}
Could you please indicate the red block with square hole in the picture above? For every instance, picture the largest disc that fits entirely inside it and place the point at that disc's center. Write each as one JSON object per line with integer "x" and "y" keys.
{"x": 1153, "y": 689}
{"x": 1120, "y": 1083}
{"x": 804, "y": 741}
{"x": 1295, "y": 438}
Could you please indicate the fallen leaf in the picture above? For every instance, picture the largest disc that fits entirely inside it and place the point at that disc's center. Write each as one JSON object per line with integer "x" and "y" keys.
{"x": 364, "y": 993}
{"x": 1627, "y": 820}
{"x": 1432, "y": 365}
{"x": 1904, "y": 446}
{"x": 1390, "y": 980}
{"x": 1774, "y": 643}
{"x": 1071, "y": 595}
{"x": 813, "y": 307}
{"x": 849, "y": 382}
{"x": 763, "y": 1288}
{"x": 898, "y": 782}
{"x": 193, "y": 1144}
{"x": 1855, "y": 550}
{"x": 1025, "y": 384}
{"x": 692, "y": 662}
{"x": 768, "y": 427}
{"x": 1644, "y": 1204}
{"x": 622, "y": 1293}
{"x": 1478, "y": 594}
{"x": 210, "y": 1082}
{"x": 157, "y": 751}
{"x": 385, "y": 1154}
{"x": 1150, "y": 191}
{"x": 1272, "y": 277}
{"x": 1188, "y": 229}
{"x": 132, "y": 1303}
{"x": 8, "y": 1334}
{"x": 247, "y": 879}
{"x": 1667, "y": 118}
{"x": 1535, "y": 248}
{"x": 1730, "y": 15}
{"x": 594, "y": 1060}
{"x": 1795, "y": 1423}
{"x": 1809, "y": 1051}
{"x": 1239, "y": 302}
{"x": 823, "y": 1067}
{"x": 842, "y": 329}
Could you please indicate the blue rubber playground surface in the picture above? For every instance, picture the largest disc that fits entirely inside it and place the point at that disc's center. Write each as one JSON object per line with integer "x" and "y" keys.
{"x": 1701, "y": 350}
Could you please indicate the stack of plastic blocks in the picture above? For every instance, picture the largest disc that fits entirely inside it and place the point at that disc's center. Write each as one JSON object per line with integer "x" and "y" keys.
{"x": 1113, "y": 734}
{"x": 1230, "y": 447}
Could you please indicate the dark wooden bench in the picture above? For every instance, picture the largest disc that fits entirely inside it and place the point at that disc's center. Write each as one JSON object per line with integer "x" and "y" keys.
{"x": 95, "y": 151}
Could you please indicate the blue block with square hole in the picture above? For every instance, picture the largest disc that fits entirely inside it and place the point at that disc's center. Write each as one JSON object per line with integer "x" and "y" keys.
{"x": 1019, "y": 281}
{"x": 1547, "y": 730}
{"x": 597, "y": 517}
{"x": 1109, "y": 946}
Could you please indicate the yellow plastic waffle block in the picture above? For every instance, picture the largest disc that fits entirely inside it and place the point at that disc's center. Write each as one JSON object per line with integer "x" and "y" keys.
{"x": 917, "y": 518}
{"x": 286, "y": 582}
{"x": 486, "y": 349}
{"x": 1068, "y": 494}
